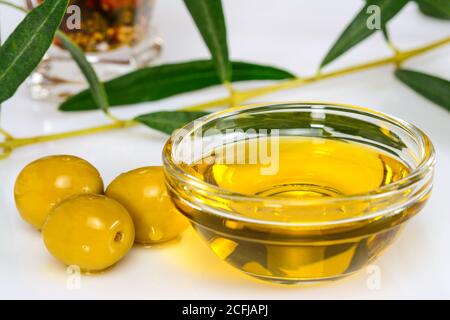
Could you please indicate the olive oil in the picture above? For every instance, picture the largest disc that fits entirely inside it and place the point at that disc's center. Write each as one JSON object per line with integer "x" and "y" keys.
{"x": 306, "y": 239}
{"x": 307, "y": 168}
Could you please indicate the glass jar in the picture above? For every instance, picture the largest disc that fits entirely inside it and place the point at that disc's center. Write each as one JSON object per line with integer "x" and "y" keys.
{"x": 116, "y": 36}
{"x": 283, "y": 237}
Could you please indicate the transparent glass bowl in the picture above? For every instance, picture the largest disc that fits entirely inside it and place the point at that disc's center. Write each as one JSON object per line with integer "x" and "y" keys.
{"x": 253, "y": 234}
{"x": 116, "y": 36}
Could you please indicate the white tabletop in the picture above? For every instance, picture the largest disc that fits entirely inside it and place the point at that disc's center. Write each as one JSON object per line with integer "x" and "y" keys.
{"x": 287, "y": 33}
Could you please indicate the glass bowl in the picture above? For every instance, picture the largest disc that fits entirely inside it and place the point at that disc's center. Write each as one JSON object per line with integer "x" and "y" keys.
{"x": 288, "y": 239}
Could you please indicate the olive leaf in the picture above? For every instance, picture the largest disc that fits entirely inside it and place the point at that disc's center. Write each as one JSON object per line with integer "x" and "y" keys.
{"x": 386, "y": 34}
{"x": 435, "y": 8}
{"x": 358, "y": 30}
{"x": 209, "y": 18}
{"x": 293, "y": 120}
{"x": 25, "y": 47}
{"x": 431, "y": 87}
{"x": 169, "y": 121}
{"x": 159, "y": 82}
{"x": 97, "y": 89}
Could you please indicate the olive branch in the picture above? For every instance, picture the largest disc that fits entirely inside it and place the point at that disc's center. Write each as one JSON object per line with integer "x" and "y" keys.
{"x": 26, "y": 46}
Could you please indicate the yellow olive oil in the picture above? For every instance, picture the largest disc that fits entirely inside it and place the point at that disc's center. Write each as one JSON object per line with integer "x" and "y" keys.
{"x": 307, "y": 168}
{"x": 298, "y": 241}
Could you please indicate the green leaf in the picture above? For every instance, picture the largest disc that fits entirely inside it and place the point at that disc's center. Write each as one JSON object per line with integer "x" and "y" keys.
{"x": 431, "y": 87}
{"x": 210, "y": 21}
{"x": 98, "y": 92}
{"x": 386, "y": 34}
{"x": 295, "y": 120}
{"x": 435, "y": 8}
{"x": 96, "y": 86}
{"x": 24, "y": 49}
{"x": 169, "y": 121}
{"x": 155, "y": 83}
{"x": 358, "y": 29}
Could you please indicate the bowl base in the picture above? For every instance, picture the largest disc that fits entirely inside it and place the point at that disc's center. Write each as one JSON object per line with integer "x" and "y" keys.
{"x": 299, "y": 281}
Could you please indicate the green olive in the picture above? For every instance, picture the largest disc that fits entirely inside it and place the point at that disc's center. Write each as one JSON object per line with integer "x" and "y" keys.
{"x": 92, "y": 232}
{"x": 47, "y": 181}
{"x": 143, "y": 193}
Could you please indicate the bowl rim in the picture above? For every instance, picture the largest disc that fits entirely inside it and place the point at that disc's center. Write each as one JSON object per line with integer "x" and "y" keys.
{"x": 427, "y": 163}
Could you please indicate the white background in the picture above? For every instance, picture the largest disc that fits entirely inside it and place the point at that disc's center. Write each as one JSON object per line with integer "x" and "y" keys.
{"x": 292, "y": 34}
